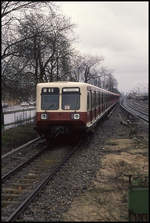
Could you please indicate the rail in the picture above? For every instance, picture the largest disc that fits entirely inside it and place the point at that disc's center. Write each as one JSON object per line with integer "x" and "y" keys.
{"x": 20, "y": 166}
{"x": 134, "y": 111}
{"x": 14, "y": 214}
{"x": 21, "y": 147}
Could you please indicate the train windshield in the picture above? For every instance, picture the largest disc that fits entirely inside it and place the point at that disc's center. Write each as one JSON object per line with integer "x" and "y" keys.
{"x": 50, "y": 98}
{"x": 71, "y": 99}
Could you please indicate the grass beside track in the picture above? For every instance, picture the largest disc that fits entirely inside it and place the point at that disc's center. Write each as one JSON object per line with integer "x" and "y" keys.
{"x": 15, "y": 137}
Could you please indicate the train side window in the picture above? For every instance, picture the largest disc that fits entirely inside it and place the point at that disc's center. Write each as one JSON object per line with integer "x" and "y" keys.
{"x": 90, "y": 93}
{"x": 88, "y": 100}
{"x": 98, "y": 98}
{"x": 93, "y": 99}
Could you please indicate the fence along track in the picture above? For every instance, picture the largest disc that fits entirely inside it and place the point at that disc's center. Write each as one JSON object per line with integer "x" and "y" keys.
{"x": 22, "y": 118}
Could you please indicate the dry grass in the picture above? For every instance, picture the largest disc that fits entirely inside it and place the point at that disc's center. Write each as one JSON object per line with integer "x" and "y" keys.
{"x": 107, "y": 199}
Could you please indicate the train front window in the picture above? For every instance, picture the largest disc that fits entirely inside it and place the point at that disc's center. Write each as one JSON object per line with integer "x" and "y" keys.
{"x": 71, "y": 98}
{"x": 50, "y": 98}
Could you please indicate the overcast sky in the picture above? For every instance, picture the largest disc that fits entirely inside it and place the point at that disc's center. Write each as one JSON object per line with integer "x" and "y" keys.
{"x": 118, "y": 31}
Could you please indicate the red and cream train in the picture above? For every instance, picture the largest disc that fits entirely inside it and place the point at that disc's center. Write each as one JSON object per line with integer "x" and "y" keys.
{"x": 64, "y": 107}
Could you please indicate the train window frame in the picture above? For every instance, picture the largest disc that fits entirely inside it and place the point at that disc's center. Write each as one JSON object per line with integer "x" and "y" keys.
{"x": 69, "y": 92}
{"x": 47, "y": 91}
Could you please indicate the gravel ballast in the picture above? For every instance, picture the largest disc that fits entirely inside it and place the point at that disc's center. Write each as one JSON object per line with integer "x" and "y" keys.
{"x": 78, "y": 174}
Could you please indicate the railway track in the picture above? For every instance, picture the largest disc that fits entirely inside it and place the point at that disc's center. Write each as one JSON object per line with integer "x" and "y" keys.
{"x": 141, "y": 103}
{"x": 18, "y": 191}
{"x": 138, "y": 106}
{"x": 19, "y": 156}
{"x": 136, "y": 110}
{"x": 21, "y": 147}
{"x": 20, "y": 166}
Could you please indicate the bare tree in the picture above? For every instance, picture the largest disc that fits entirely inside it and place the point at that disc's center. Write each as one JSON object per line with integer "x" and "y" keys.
{"x": 45, "y": 46}
{"x": 8, "y": 7}
{"x": 86, "y": 67}
{"x": 11, "y": 14}
{"x": 12, "y": 66}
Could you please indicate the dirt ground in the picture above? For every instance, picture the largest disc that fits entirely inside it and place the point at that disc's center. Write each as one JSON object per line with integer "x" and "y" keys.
{"x": 107, "y": 198}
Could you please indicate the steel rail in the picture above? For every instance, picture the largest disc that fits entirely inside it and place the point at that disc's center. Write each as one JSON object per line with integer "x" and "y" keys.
{"x": 20, "y": 147}
{"x": 20, "y": 166}
{"x": 139, "y": 115}
{"x": 141, "y": 105}
{"x": 133, "y": 112}
{"x": 33, "y": 194}
{"x": 113, "y": 109}
{"x": 136, "y": 109}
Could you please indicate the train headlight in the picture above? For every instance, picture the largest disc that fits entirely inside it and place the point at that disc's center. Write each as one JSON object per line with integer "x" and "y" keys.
{"x": 44, "y": 116}
{"x": 76, "y": 116}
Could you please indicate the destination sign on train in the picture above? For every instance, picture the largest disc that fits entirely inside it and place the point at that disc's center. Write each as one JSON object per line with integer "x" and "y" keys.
{"x": 50, "y": 90}
{"x": 70, "y": 89}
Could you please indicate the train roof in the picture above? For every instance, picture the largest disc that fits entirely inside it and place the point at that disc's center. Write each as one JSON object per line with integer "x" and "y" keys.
{"x": 70, "y": 84}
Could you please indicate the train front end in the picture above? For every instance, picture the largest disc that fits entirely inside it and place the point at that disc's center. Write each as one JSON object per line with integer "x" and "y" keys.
{"x": 60, "y": 108}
